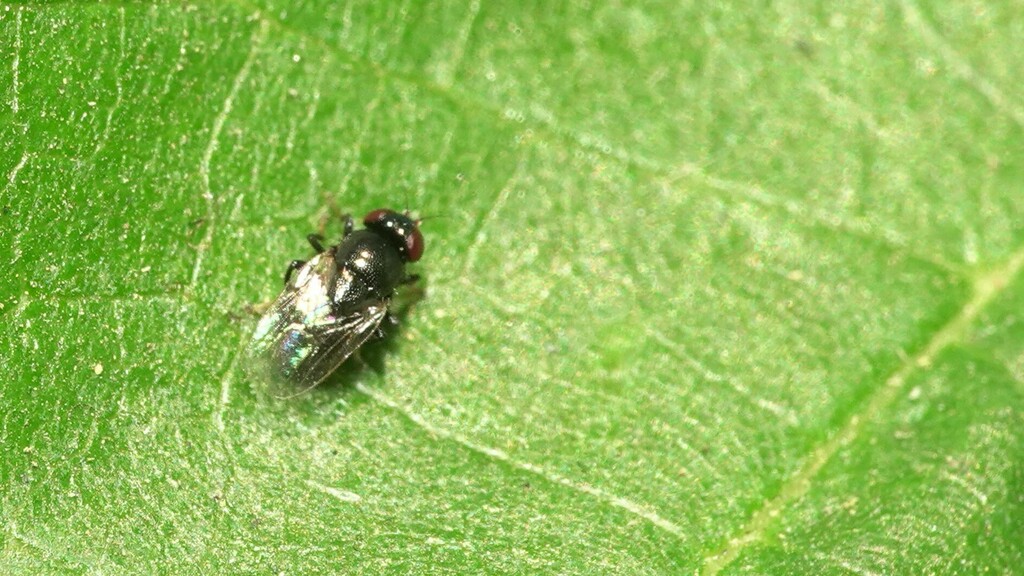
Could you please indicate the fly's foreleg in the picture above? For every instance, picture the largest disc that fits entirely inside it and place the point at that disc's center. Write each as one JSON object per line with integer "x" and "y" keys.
{"x": 315, "y": 240}
{"x": 292, "y": 267}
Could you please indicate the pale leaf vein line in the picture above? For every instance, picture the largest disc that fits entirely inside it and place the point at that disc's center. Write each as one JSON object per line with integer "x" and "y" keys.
{"x": 368, "y": 115}
{"x": 179, "y": 64}
{"x": 550, "y": 127}
{"x": 971, "y": 489}
{"x": 672, "y": 348}
{"x": 960, "y": 65}
{"x": 843, "y": 104}
{"x": 212, "y": 144}
{"x": 12, "y": 176}
{"x": 480, "y": 236}
{"x": 19, "y": 309}
{"x": 447, "y": 74}
{"x": 859, "y": 570}
{"x": 343, "y": 495}
{"x": 757, "y": 195}
{"x": 16, "y": 61}
{"x": 50, "y": 552}
{"x": 986, "y": 289}
{"x": 101, "y": 142}
{"x": 629, "y": 506}
{"x": 25, "y": 299}
{"x": 225, "y": 383}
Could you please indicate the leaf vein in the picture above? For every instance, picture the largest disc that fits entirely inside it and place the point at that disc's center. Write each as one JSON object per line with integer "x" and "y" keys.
{"x": 634, "y": 508}
{"x": 986, "y": 289}
{"x": 16, "y": 61}
{"x": 49, "y": 551}
{"x": 226, "y": 381}
{"x": 757, "y": 195}
{"x": 13, "y": 174}
{"x": 546, "y": 126}
{"x": 448, "y": 73}
{"x": 480, "y": 234}
{"x": 101, "y": 142}
{"x": 369, "y": 113}
{"x": 211, "y": 147}
{"x": 960, "y": 65}
{"x": 342, "y": 495}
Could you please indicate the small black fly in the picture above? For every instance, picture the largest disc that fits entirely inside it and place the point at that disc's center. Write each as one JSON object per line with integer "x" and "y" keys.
{"x": 333, "y": 303}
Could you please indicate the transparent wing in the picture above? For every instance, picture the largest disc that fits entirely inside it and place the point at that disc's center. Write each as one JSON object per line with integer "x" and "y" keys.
{"x": 303, "y": 338}
{"x": 305, "y": 300}
{"x": 302, "y": 355}
{"x": 331, "y": 344}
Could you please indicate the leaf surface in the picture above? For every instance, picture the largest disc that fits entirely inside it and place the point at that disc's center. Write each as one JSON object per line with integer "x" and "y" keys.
{"x": 707, "y": 288}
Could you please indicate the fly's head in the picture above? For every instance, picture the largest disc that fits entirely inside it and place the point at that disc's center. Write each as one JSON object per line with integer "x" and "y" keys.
{"x": 400, "y": 229}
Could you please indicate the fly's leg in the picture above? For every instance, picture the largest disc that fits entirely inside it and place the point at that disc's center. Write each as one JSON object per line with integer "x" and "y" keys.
{"x": 259, "y": 309}
{"x": 315, "y": 241}
{"x": 292, "y": 267}
{"x": 414, "y": 292}
{"x": 346, "y": 219}
{"x": 389, "y": 319}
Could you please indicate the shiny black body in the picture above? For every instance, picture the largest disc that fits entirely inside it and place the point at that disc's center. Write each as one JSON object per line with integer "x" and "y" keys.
{"x": 377, "y": 265}
{"x": 336, "y": 301}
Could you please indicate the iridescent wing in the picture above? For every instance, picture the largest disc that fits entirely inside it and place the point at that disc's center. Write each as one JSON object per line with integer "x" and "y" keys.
{"x": 304, "y": 336}
{"x": 304, "y": 355}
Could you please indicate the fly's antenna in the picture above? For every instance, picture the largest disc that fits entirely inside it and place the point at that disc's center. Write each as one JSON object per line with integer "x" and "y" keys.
{"x": 406, "y": 202}
{"x": 431, "y": 217}
{"x": 331, "y": 202}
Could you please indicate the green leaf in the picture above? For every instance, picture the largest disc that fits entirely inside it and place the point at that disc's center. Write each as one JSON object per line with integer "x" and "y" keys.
{"x": 709, "y": 288}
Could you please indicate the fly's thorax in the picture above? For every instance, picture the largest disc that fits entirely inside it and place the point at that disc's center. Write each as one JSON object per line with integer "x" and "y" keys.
{"x": 373, "y": 260}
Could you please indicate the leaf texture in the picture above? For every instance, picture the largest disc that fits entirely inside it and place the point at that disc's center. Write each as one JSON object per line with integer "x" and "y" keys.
{"x": 708, "y": 288}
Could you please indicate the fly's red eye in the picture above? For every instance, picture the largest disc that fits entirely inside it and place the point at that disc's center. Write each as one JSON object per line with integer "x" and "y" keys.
{"x": 376, "y": 216}
{"x": 414, "y": 244}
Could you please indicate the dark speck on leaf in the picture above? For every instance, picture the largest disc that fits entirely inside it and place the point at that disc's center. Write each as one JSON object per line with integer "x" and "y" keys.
{"x": 804, "y": 48}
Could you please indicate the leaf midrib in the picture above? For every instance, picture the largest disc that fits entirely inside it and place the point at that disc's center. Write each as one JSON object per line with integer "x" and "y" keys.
{"x": 985, "y": 290}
